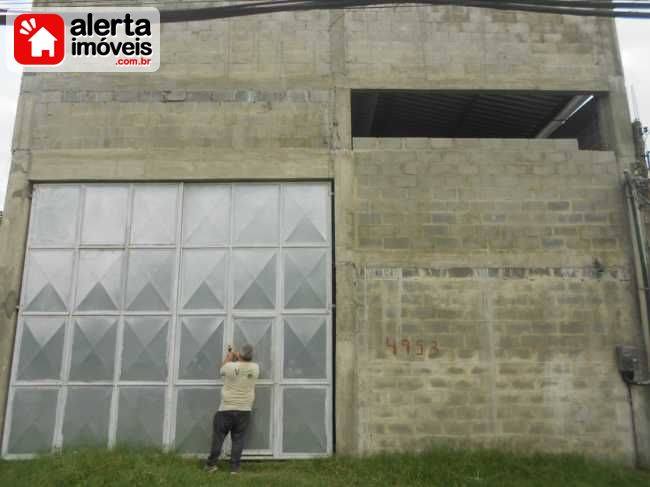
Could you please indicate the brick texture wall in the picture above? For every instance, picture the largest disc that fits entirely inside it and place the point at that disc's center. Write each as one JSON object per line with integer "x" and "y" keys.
{"x": 482, "y": 317}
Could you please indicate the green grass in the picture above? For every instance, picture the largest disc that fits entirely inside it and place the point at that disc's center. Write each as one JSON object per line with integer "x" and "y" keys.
{"x": 437, "y": 467}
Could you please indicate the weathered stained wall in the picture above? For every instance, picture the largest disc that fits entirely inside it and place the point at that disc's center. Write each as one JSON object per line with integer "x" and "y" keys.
{"x": 466, "y": 48}
{"x": 484, "y": 319}
{"x": 484, "y": 246}
{"x": 201, "y": 119}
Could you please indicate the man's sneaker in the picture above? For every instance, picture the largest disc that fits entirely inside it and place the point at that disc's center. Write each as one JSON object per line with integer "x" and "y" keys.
{"x": 234, "y": 472}
{"x": 210, "y": 468}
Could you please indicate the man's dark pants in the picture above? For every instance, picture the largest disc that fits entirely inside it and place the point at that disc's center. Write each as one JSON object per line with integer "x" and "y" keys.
{"x": 235, "y": 423}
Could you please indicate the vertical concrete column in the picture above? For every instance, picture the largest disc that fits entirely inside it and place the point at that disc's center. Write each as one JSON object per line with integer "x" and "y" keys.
{"x": 346, "y": 385}
{"x": 13, "y": 236}
{"x": 342, "y": 125}
{"x": 616, "y": 126}
{"x": 345, "y": 360}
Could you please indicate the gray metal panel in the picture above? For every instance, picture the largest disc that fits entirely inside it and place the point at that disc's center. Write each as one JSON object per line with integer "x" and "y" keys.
{"x": 32, "y": 424}
{"x": 118, "y": 339}
{"x": 140, "y": 416}
{"x": 86, "y": 417}
{"x": 195, "y": 411}
{"x": 93, "y": 348}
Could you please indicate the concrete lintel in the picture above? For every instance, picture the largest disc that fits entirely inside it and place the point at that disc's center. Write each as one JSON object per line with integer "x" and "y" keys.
{"x": 177, "y": 164}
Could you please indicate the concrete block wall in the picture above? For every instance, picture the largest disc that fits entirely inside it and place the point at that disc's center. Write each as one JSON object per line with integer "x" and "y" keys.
{"x": 197, "y": 119}
{"x": 483, "y": 317}
{"x": 507, "y": 201}
{"x": 485, "y": 246}
{"x": 464, "y": 47}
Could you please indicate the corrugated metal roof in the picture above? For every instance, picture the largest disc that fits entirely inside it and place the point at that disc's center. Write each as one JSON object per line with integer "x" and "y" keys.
{"x": 410, "y": 113}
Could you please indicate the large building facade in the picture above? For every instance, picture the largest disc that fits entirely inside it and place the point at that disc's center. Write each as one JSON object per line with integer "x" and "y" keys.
{"x": 376, "y": 199}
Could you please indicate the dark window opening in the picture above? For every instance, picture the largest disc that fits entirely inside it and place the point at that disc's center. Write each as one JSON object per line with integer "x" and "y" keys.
{"x": 470, "y": 114}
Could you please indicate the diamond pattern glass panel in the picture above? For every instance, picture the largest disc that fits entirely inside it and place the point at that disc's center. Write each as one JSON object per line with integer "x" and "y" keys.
{"x": 305, "y": 278}
{"x": 144, "y": 356}
{"x": 104, "y": 215}
{"x": 256, "y": 214}
{"x": 32, "y": 420}
{"x": 254, "y": 275}
{"x": 41, "y": 348}
{"x": 206, "y": 214}
{"x": 150, "y": 280}
{"x": 305, "y": 213}
{"x": 204, "y": 279}
{"x": 201, "y": 347}
{"x": 256, "y": 332}
{"x": 87, "y": 411}
{"x": 48, "y": 281}
{"x": 303, "y": 420}
{"x": 305, "y": 347}
{"x": 93, "y": 348}
{"x": 154, "y": 214}
{"x": 55, "y": 216}
{"x": 104, "y": 296}
{"x": 194, "y": 413}
{"x": 140, "y": 416}
{"x": 258, "y": 434}
{"x": 99, "y": 286}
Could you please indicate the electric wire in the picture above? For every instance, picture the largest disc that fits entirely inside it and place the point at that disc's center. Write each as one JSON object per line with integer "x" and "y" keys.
{"x": 591, "y": 8}
{"x": 613, "y": 4}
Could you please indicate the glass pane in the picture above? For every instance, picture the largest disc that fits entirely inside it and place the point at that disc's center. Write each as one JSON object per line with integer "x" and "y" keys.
{"x": 305, "y": 347}
{"x": 258, "y": 434}
{"x": 204, "y": 279}
{"x": 55, "y": 216}
{"x": 104, "y": 214}
{"x": 206, "y": 214}
{"x": 201, "y": 347}
{"x": 93, "y": 348}
{"x": 305, "y": 213}
{"x": 41, "y": 348}
{"x": 150, "y": 280}
{"x": 256, "y": 214}
{"x": 194, "y": 413}
{"x": 154, "y": 214}
{"x": 256, "y": 332}
{"x": 140, "y": 416}
{"x": 254, "y": 274}
{"x": 87, "y": 411}
{"x": 144, "y": 356}
{"x": 48, "y": 280}
{"x": 305, "y": 278}
{"x": 32, "y": 420}
{"x": 100, "y": 281}
{"x": 303, "y": 421}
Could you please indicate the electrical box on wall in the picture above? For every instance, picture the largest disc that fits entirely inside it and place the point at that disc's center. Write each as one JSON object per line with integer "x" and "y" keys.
{"x": 628, "y": 360}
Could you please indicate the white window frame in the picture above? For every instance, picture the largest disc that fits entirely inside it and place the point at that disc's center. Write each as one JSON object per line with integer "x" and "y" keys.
{"x": 173, "y": 384}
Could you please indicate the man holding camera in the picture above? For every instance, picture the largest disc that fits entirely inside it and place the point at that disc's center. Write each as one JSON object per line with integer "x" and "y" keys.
{"x": 239, "y": 374}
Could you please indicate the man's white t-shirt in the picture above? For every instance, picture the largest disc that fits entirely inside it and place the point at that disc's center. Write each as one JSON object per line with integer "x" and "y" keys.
{"x": 238, "y": 393}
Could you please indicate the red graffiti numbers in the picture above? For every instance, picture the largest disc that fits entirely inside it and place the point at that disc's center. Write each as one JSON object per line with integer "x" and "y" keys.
{"x": 434, "y": 350}
{"x": 390, "y": 343}
{"x": 418, "y": 348}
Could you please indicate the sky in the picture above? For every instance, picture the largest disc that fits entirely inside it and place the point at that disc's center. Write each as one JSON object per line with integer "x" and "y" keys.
{"x": 634, "y": 37}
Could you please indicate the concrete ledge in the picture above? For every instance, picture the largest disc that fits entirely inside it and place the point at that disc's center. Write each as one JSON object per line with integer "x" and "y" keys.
{"x": 224, "y": 95}
{"x": 395, "y": 143}
{"x": 177, "y": 164}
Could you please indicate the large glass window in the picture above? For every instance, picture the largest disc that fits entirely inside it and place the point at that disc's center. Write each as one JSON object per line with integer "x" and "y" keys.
{"x": 132, "y": 294}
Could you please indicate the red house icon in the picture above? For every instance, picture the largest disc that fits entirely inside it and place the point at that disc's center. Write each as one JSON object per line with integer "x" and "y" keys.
{"x": 39, "y": 39}
{"x": 41, "y": 42}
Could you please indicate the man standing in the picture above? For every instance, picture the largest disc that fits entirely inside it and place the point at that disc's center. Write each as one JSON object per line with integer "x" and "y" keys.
{"x": 237, "y": 396}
